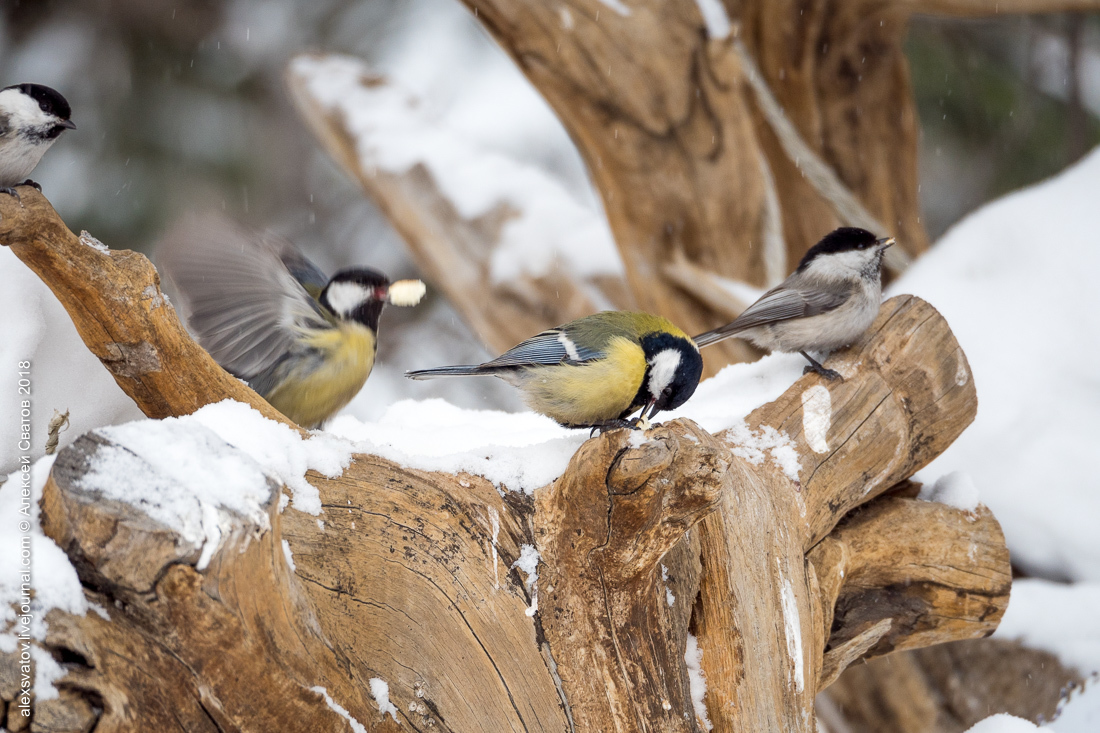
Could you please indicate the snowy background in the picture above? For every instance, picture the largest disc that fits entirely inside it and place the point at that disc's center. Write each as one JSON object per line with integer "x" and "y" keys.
{"x": 181, "y": 107}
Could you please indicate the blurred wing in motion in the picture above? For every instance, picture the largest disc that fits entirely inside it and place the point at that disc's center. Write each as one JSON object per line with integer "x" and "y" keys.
{"x": 246, "y": 296}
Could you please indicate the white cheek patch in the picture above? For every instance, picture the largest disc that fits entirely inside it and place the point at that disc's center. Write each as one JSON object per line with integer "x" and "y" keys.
{"x": 22, "y": 110}
{"x": 842, "y": 264}
{"x": 569, "y": 346}
{"x": 662, "y": 370}
{"x": 345, "y": 297}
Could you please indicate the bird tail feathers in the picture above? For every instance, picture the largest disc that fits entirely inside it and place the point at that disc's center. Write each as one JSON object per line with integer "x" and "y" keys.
{"x": 718, "y": 334}
{"x": 447, "y": 371}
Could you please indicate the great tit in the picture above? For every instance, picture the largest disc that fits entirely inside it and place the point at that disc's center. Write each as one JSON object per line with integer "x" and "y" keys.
{"x": 596, "y": 371}
{"x": 828, "y": 302}
{"x": 304, "y": 342}
{"x": 32, "y": 117}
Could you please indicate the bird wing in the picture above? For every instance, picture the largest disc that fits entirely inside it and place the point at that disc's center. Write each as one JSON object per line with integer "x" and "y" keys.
{"x": 553, "y": 346}
{"x": 241, "y": 292}
{"x": 780, "y": 304}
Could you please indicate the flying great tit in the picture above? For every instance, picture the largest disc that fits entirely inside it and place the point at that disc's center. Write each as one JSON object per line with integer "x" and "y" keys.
{"x": 596, "y": 371}
{"x": 304, "y": 342}
{"x": 827, "y": 303}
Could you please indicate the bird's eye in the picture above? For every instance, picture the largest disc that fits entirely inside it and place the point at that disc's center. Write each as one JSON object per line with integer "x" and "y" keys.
{"x": 666, "y": 391}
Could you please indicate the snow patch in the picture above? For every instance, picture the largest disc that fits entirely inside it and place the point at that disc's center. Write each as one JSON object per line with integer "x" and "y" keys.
{"x": 281, "y": 450}
{"x": 955, "y": 489}
{"x": 356, "y": 726}
{"x": 394, "y": 132}
{"x": 380, "y": 691}
{"x": 528, "y": 563}
{"x": 46, "y": 672}
{"x": 183, "y": 476}
{"x": 521, "y": 451}
{"x": 697, "y": 681}
{"x": 817, "y": 415}
{"x": 289, "y": 557}
{"x": 792, "y": 627}
{"x": 1004, "y": 723}
{"x": 714, "y": 15}
{"x": 50, "y": 577}
{"x": 617, "y": 6}
{"x": 751, "y": 445}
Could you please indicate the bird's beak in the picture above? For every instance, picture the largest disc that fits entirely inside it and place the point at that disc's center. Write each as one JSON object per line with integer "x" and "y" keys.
{"x": 67, "y": 124}
{"x": 651, "y": 407}
{"x": 886, "y": 243}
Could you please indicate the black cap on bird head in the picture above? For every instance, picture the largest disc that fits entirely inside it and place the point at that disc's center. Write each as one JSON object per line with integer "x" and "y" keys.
{"x": 673, "y": 369}
{"x": 51, "y": 102}
{"x": 844, "y": 239}
{"x": 357, "y": 294}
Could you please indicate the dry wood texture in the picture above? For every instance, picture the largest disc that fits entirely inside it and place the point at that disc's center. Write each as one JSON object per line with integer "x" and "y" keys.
{"x": 412, "y": 577}
{"x": 684, "y": 157}
{"x": 697, "y": 175}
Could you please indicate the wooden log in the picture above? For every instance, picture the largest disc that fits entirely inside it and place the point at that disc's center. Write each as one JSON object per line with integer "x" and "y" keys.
{"x": 682, "y": 155}
{"x": 412, "y": 577}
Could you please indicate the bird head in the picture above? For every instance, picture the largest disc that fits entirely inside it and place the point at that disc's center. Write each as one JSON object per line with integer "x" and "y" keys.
{"x": 36, "y": 111}
{"x": 846, "y": 252}
{"x": 357, "y": 294}
{"x": 673, "y": 369}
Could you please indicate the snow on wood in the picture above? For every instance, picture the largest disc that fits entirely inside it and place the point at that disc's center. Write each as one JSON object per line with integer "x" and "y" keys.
{"x": 395, "y": 132}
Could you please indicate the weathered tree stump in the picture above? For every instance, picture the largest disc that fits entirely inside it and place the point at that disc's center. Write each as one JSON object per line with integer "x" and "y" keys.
{"x": 783, "y": 580}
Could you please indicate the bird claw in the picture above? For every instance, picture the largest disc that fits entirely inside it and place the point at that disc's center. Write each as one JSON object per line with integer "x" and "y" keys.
{"x": 815, "y": 366}
{"x": 616, "y": 424}
{"x": 34, "y": 184}
{"x": 11, "y": 192}
{"x": 830, "y": 374}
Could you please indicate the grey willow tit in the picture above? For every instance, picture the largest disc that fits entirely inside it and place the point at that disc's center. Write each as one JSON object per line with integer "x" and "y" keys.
{"x": 32, "y": 117}
{"x": 828, "y": 302}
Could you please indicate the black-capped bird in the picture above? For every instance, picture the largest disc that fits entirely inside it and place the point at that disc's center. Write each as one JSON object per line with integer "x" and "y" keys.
{"x": 32, "y": 116}
{"x": 303, "y": 341}
{"x": 827, "y": 303}
{"x": 596, "y": 371}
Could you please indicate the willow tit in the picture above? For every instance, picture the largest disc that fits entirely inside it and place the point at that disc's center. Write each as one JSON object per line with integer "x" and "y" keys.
{"x": 828, "y": 302}
{"x": 595, "y": 371}
{"x": 32, "y": 117}
{"x": 304, "y": 342}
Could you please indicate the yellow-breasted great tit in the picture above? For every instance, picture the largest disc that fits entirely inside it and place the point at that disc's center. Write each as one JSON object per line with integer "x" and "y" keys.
{"x": 827, "y": 302}
{"x": 304, "y": 342}
{"x": 595, "y": 371}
